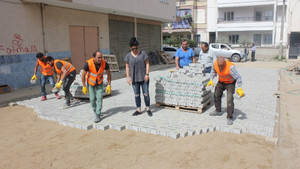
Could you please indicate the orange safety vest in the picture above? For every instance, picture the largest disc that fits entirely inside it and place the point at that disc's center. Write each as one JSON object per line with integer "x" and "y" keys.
{"x": 68, "y": 66}
{"x": 224, "y": 76}
{"x": 46, "y": 69}
{"x": 93, "y": 76}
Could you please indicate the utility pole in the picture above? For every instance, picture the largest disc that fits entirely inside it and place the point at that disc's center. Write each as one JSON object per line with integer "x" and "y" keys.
{"x": 281, "y": 30}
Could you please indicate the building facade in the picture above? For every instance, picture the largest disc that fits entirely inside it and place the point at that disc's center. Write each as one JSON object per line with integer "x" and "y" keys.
{"x": 75, "y": 29}
{"x": 191, "y": 22}
{"x": 237, "y": 22}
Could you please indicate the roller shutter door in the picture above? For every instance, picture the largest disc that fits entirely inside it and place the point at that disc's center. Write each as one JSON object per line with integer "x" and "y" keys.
{"x": 119, "y": 36}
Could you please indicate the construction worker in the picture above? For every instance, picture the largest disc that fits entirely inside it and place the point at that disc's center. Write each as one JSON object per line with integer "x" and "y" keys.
{"x": 46, "y": 74}
{"x": 228, "y": 77}
{"x": 93, "y": 72}
{"x": 184, "y": 55}
{"x": 66, "y": 74}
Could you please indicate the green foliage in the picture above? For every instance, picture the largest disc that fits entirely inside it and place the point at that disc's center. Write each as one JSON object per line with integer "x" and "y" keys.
{"x": 192, "y": 43}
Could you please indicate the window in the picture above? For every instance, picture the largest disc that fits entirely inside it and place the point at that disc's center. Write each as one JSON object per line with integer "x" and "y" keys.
{"x": 164, "y": 1}
{"x": 223, "y": 47}
{"x": 216, "y": 46}
{"x": 269, "y": 15}
{"x": 233, "y": 39}
{"x": 228, "y": 16}
{"x": 169, "y": 49}
{"x": 197, "y": 38}
{"x": 182, "y": 0}
{"x": 267, "y": 38}
{"x": 258, "y": 16}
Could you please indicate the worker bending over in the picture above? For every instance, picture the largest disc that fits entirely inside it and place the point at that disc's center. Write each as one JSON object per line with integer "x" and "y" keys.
{"x": 228, "y": 77}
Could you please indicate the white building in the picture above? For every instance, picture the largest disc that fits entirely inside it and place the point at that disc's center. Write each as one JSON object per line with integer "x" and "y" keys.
{"x": 246, "y": 21}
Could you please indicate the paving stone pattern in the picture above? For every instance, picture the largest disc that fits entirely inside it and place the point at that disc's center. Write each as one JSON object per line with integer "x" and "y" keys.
{"x": 255, "y": 113}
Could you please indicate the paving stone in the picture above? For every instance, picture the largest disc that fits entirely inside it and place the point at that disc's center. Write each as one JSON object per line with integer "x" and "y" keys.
{"x": 255, "y": 113}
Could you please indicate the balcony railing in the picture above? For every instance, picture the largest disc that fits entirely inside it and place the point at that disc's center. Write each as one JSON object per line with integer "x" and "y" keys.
{"x": 246, "y": 19}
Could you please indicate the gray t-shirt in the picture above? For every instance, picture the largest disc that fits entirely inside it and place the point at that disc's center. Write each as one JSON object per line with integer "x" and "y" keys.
{"x": 137, "y": 66}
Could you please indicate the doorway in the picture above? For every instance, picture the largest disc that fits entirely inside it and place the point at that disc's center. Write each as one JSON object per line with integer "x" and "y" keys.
{"x": 84, "y": 40}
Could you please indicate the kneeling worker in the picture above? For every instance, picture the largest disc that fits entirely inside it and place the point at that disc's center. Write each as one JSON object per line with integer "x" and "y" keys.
{"x": 228, "y": 77}
{"x": 66, "y": 74}
{"x": 94, "y": 69}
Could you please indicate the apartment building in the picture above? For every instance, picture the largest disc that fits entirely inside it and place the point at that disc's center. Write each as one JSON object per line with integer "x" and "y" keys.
{"x": 191, "y": 22}
{"x": 75, "y": 29}
{"x": 253, "y": 21}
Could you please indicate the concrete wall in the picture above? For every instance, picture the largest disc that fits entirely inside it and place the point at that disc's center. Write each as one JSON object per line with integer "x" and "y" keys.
{"x": 22, "y": 37}
{"x": 156, "y": 10}
{"x": 58, "y": 20}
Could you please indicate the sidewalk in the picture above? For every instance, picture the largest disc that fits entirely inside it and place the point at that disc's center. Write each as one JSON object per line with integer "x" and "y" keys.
{"x": 35, "y": 91}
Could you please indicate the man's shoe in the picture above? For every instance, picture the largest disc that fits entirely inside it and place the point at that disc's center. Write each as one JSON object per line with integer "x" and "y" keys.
{"x": 229, "y": 121}
{"x": 136, "y": 113}
{"x": 57, "y": 96}
{"x": 44, "y": 98}
{"x": 66, "y": 106}
{"x": 97, "y": 118}
{"x": 149, "y": 113}
{"x": 215, "y": 113}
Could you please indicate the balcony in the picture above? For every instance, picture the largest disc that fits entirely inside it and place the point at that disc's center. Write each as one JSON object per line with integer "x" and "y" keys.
{"x": 240, "y": 3}
{"x": 246, "y": 19}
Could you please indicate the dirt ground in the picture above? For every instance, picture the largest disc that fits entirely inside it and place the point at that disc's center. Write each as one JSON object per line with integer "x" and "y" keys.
{"x": 29, "y": 142}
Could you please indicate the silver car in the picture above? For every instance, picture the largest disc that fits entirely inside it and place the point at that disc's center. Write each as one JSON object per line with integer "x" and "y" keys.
{"x": 221, "y": 49}
{"x": 170, "y": 50}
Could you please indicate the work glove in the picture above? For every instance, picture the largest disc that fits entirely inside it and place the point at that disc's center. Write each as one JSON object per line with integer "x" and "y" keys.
{"x": 210, "y": 83}
{"x": 85, "y": 90}
{"x": 34, "y": 77}
{"x": 58, "y": 85}
{"x": 108, "y": 89}
{"x": 240, "y": 92}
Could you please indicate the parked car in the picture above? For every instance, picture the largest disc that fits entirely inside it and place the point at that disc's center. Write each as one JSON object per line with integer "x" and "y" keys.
{"x": 196, "y": 50}
{"x": 170, "y": 50}
{"x": 226, "y": 51}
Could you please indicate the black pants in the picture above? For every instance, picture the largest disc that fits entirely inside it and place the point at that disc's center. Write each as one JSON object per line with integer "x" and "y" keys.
{"x": 218, "y": 96}
{"x": 253, "y": 56}
{"x": 67, "y": 84}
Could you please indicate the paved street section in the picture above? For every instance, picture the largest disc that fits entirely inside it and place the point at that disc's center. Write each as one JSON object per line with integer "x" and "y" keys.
{"x": 255, "y": 113}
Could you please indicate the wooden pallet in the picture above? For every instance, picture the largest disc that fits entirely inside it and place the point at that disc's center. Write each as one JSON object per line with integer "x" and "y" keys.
{"x": 165, "y": 57}
{"x": 112, "y": 61}
{"x": 183, "y": 108}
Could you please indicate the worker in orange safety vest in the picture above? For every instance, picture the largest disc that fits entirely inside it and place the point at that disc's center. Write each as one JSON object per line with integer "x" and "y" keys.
{"x": 228, "y": 77}
{"x": 46, "y": 74}
{"x": 93, "y": 71}
{"x": 66, "y": 74}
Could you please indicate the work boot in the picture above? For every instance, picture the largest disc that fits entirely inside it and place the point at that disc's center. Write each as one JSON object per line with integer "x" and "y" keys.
{"x": 216, "y": 113}
{"x": 57, "y": 96}
{"x": 97, "y": 118}
{"x": 44, "y": 98}
{"x": 229, "y": 121}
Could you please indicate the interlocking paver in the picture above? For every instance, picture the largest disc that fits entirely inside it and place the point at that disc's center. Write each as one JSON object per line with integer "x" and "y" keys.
{"x": 255, "y": 113}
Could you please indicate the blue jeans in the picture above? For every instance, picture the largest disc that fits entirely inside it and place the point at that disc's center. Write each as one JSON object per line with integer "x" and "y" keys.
{"x": 145, "y": 88}
{"x": 43, "y": 83}
{"x": 207, "y": 69}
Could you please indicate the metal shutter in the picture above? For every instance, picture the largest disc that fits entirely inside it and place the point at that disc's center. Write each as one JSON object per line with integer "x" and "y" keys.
{"x": 143, "y": 36}
{"x": 155, "y": 37}
{"x": 119, "y": 36}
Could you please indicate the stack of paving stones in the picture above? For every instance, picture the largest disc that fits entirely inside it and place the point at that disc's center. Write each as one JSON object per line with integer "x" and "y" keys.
{"x": 76, "y": 87}
{"x": 184, "y": 88}
{"x": 255, "y": 113}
